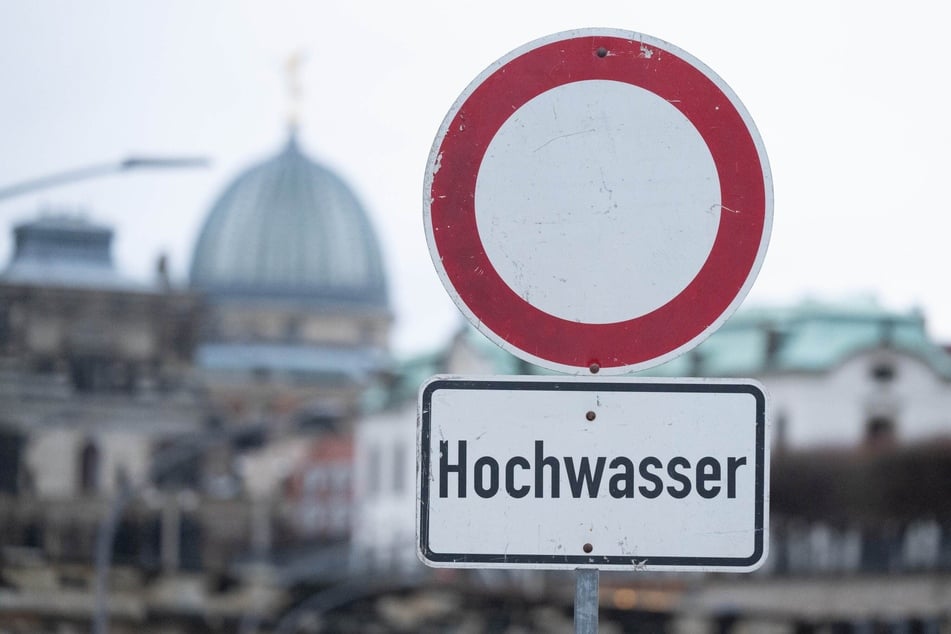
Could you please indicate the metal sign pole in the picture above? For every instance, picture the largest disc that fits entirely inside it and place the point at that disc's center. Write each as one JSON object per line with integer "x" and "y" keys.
{"x": 586, "y": 601}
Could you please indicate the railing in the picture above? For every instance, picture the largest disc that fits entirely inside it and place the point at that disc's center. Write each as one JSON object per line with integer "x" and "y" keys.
{"x": 817, "y": 548}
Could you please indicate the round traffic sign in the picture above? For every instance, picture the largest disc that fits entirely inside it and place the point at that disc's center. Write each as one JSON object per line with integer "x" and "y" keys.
{"x": 597, "y": 200}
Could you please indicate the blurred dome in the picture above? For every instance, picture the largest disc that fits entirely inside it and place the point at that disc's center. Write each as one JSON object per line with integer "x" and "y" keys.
{"x": 289, "y": 228}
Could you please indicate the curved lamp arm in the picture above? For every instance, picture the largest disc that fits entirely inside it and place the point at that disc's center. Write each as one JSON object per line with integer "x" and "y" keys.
{"x": 104, "y": 169}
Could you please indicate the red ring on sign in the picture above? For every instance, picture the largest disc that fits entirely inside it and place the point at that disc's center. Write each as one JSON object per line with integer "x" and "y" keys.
{"x": 639, "y": 340}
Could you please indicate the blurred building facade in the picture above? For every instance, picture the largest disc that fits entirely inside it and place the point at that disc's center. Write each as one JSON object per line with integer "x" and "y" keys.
{"x": 213, "y": 422}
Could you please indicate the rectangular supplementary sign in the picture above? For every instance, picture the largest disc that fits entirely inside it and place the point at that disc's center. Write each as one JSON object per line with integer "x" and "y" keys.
{"x": 565, "y": 472}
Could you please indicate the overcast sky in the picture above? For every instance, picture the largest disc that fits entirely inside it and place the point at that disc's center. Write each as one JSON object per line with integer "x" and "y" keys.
{"x": 850, "y": 98}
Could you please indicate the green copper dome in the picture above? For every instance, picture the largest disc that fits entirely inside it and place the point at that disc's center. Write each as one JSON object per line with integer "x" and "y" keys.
{"x": 290, "y": 228}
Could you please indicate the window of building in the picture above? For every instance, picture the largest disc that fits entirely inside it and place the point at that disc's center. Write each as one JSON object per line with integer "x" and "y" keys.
{"x": 11, "y": 450}
{"x": 883, "y": 372}
{"x": 879, "y": 429}
{"x": 89, "y": 468}
{"x": 399, "y": 468}
{"x": 292, "y": 328}
{"x": 781, "y": 431}
{"x": 374, "y": 475}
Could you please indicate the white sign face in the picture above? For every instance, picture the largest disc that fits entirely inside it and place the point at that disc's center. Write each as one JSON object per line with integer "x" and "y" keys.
{"x": 576, "y": 208}
{"x": 597, "y": 198}
{"x": 549, "y": 472}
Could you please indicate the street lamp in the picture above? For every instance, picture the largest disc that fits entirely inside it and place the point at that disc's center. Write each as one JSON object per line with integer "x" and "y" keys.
{"x": 104, "y": 169}
{"x": 163, "y": 463}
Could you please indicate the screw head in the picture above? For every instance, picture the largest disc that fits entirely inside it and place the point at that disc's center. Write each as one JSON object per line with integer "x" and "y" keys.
{"x": 587, "y": 548}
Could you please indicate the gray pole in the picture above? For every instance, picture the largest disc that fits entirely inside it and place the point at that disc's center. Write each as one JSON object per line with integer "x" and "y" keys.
{"x": 131, "y": 163}
{"x": 104, "y": 539}
{"x": 586, "y": 601}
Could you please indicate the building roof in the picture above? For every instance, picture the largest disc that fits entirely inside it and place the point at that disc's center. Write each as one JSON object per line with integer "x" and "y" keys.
{"x": 810, "y": 337}
{"x": 66, "y": 251}
{"x": 289, "y": 228}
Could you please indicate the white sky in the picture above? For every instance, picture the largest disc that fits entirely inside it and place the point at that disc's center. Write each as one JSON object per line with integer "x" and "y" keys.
{"x": 852, "y": 100}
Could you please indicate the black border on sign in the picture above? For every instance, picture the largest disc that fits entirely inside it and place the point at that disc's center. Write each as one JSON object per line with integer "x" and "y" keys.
{"x": 616, "y": 561}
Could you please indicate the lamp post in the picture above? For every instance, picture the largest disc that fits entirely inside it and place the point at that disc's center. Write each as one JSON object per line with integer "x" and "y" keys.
{"x": 166, "y": 461}
{"x": 104, "y": 169}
